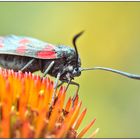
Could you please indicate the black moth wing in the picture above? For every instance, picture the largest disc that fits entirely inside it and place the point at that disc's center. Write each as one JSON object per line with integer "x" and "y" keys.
{"x": 27, "y": 46}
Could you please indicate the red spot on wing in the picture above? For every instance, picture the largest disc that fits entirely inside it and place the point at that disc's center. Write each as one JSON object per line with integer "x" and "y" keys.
{"x": 24, "y": 41}
{"x": 47, "y": 53}
{"x": 1, "y": 45}
{"x": 21, "y": 49}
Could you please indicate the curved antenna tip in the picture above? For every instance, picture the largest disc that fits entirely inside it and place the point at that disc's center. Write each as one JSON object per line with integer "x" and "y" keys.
{"x": 79, "y": 34}
{"x": 75, "y": 38}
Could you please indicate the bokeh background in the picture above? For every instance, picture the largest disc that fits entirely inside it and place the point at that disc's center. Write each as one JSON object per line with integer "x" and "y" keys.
{"x": 111, "y": 39}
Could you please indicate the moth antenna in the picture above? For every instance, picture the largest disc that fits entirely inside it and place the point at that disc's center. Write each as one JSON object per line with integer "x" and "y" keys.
{"x": 126, "y": 74}
{"x": 74, "y": 44}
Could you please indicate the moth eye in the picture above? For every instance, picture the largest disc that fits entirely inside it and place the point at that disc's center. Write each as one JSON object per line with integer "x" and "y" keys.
{"x": 76, "y": 69}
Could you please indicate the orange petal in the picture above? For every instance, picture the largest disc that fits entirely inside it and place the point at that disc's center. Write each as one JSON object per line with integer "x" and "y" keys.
{"x": 75, "y": 100}
{"x": 69, "y": 120}
{"x": 40, "y": 122}
{"x": 68, "y": 105}
{"x": 79, "y": 120}
{"x": 55, "y": 114}
{"x": 26, "y": 130}
{"x": 80, "y": 135}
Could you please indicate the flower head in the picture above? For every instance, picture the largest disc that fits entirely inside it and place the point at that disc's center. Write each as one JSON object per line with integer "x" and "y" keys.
{"x": 28, "y": 108}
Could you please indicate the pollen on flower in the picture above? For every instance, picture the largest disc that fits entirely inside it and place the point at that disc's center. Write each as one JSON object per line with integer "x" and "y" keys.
{"x": 41, "y": 92}
{"x": 28, "y": 111}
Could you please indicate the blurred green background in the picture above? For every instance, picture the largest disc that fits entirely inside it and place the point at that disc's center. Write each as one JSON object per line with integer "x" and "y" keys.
{"x": 111, "y": 39}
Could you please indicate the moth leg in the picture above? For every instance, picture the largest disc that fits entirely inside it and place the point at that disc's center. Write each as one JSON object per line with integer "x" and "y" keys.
{"x": 48, "y": 68}
{"x": 74, "y": 83}
{"x": 55, "y": 87}
{"x": 69, "y": 83}
{"x": 56, "y": 81}
{"x": 27, "y": 65}
{"x": 60, "y": 84}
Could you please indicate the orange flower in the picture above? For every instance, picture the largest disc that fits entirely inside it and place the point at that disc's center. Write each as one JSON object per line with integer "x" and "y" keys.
{"x": 30, "y": 108}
